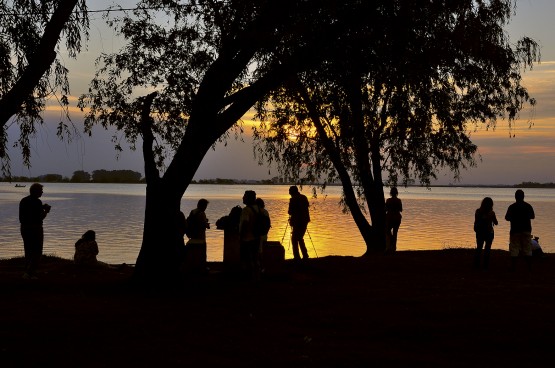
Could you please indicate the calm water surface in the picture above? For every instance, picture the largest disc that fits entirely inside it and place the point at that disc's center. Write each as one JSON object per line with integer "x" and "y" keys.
{"x": 436, "y": 218}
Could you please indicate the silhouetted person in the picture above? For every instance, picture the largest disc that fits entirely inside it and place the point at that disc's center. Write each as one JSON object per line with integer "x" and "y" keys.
{"x": 86, "y": 250}
{"x": 393, "y": 209}
{"x": 484, "y": 221}
{"x": 197, "y": 223}
{"x": 520, "y": 215}
{"x": 299, "y": 217}
{"x": 249, "y": 240}
{"x": 31, "y": 214}
{"x": 262, "y": 208}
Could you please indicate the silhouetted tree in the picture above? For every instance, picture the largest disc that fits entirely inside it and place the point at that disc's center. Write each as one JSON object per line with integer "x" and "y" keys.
{"x": 116, "y": 176}
{"x": 400, "y": 98}
{"x": 30, "y": 72}
{"x": 209, "y": 63}
{"x": 52, "y": 178}
{"x": 80, "y": 176}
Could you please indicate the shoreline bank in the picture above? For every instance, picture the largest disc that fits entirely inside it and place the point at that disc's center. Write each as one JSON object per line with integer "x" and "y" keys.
{"x": 414, "y": 308}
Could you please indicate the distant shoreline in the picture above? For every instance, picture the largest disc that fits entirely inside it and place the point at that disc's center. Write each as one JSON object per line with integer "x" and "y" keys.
{"x": 271, "y": 182}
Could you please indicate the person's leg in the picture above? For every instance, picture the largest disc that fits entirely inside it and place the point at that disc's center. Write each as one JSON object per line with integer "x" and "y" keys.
{"x": 514, "y": 250}
{"x": 33, "y": 245}
{"x": 478, "y": 254}
{"x": 255, "y": 259}
{"x": 295, "y": 243}
{"x": 300, "y": 234}
{"x": 394, "y": 233}
{"x": 487, "y": 250}
{"x": 26, "y": 249}
{"x": 244, "y": 255}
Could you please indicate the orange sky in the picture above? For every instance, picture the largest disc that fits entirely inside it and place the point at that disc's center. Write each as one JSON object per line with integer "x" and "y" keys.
{"x": 528, "y": 156}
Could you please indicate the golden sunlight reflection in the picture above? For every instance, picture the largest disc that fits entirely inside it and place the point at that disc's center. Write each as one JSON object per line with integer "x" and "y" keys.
{"x": 432, "y": 219}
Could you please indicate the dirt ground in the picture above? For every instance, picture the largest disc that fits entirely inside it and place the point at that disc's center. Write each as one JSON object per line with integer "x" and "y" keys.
{"x": 410, "y": 309}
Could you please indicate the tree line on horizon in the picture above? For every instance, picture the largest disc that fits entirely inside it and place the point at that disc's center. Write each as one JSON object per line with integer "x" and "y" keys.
{"x": 132, "y": 177}
{"x": 80, "y": 176}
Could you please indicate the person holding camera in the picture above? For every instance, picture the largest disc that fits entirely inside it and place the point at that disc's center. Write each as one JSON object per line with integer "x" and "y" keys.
{"x": 31, "y": 214}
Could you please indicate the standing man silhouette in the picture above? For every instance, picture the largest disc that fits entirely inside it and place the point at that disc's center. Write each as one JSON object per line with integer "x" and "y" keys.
{"x": 31, "y": 214}
{"x": 299, "y": 218}
{"x": 520, "y": 214}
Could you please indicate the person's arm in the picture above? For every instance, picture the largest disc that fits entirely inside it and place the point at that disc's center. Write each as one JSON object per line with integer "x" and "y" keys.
{"x": 494, "y": 218}
{"x": 532, "y": 214}
{"x": 45, "y": 210}
{"x": 508, "y": 214}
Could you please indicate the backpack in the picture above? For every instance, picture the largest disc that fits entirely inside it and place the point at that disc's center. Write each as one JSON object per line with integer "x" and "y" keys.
{"x": 191, "y": 225}
{"x": 188, "y": 228}
{"x": 262, "y": 223}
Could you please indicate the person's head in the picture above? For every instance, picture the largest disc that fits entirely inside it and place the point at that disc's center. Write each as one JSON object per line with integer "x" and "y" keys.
{"x": 519, "y": 195}
{"x": 249, "y": 198}
{"x": 394, "y": 192}
{"x": 260, "y": 202}
{"x": 202, "y": 204}
{"x": 36, "y": 190}
{"x": 89, "y": 235}
{"x": 293, "y": 190}
{"x": 487, "y": 204}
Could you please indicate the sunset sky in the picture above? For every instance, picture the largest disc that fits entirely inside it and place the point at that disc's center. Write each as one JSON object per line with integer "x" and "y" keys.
{"x": 506, "y": 159}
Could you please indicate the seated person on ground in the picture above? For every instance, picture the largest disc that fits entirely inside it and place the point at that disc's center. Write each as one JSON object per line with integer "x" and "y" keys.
{"x": 86, "y": 250}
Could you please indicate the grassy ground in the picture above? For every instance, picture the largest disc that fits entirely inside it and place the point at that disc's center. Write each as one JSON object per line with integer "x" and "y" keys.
{"x": 411, "y": 309}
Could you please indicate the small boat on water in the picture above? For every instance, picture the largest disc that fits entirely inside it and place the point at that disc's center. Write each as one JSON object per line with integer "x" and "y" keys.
{"x": 20, "y": 186}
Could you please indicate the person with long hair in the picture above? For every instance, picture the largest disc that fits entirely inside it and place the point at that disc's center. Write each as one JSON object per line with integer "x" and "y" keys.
{"x": 484, "y": 221}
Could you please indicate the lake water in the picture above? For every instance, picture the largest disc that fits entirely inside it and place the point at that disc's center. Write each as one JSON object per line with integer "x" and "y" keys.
{"x": 435, "y": 218}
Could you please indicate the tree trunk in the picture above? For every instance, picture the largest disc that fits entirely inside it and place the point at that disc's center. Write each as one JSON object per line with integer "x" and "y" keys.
{"x": 158, "y": 260}
{"x": 369, "y": 174}
{"x": 350, "y": 197}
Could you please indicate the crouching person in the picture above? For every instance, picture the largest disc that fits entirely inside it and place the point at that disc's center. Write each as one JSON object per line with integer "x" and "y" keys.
{"x": 86, "y": 250}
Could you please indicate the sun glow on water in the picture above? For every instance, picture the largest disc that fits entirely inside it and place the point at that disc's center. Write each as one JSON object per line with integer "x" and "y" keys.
{"x": 439, "y": 218}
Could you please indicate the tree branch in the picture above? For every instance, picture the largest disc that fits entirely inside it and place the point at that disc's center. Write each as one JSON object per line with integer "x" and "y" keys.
{"x": 39, "y": 62}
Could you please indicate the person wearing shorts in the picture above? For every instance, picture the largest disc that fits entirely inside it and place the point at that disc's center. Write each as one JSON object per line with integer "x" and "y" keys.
{"x": 520, "y": 214}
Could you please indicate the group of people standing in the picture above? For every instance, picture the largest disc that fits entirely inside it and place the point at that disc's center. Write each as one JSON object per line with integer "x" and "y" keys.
{"x": 519, "y": 214}
{"x": 253, "y": 225}
{"x": 252, "y": 239}
{"x": 252, "y": 231}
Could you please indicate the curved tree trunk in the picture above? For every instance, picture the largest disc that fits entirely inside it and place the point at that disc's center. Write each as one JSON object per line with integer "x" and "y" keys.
{"x": 368, "y": 168}
{"x": 158, "y": 260}
{"x": 366, "y": 230}
{"x": 214, "y": 112}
